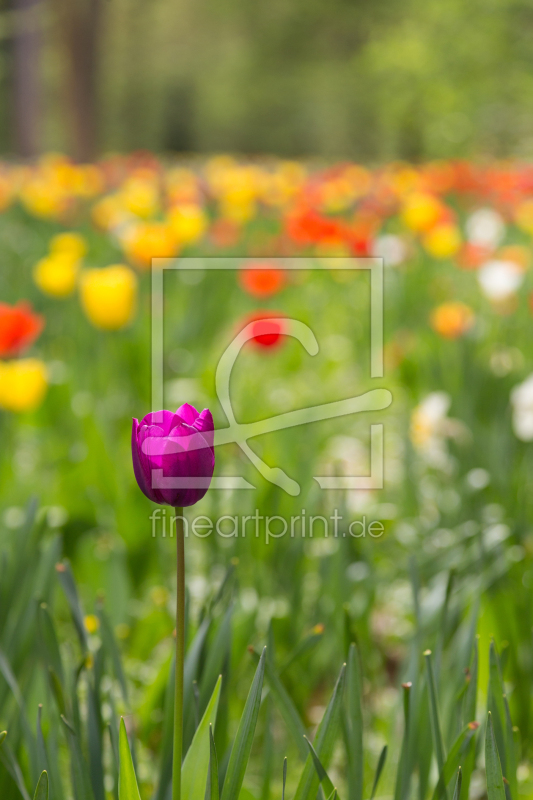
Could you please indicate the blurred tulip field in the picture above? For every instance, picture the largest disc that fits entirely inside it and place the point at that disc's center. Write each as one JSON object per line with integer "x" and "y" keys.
{"x": 402, "y": 651}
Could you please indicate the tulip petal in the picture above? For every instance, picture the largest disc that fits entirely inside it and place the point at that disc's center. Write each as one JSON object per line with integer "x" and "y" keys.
{"x": 187, "y": 413}
{"x": 140, "y": 476}
{"x": 163, "y": 419}
{"x": 204, "y": 423}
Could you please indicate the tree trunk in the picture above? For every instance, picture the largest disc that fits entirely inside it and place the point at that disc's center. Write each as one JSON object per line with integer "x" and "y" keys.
{"x": 26, "y": 84}
{"x": 79, "y": 27}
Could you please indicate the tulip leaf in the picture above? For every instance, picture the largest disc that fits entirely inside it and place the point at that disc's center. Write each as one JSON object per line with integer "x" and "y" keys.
{"x": 127, "y": 782}
{"x": 403, "y": 774}
{"x": 80, "y": 776}
{"x": 111, "y": 647}
{"x": 434, "y": 713}
{"x": 353, "y": 725}
{"x": 242, "y": 745}
{"x": 286, "y": 707}
{"x": 196, "y": 763}
{"x": 379, "y": 770}
{"x": 323, "y": 776}
{"x": 66, "y": 579}
{"x": 495, "y": 787}
{"x": 212, "y": 789}
{"x": 458, "y": 782}
{"x": 41, "y": 792}
{"x": 8, "y": 759}
{"x": 324, "y": 742}
{"x": 456, "y": 756}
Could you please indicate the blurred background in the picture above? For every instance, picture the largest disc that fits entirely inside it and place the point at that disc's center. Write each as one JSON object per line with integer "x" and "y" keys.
{"x": 366, "y": 80}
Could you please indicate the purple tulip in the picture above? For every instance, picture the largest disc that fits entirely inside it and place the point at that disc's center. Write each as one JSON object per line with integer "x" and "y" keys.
{"x": 174, "y": 455}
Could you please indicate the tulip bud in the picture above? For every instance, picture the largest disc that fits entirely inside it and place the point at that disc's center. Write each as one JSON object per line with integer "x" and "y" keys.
{"x": 176, "y": 452}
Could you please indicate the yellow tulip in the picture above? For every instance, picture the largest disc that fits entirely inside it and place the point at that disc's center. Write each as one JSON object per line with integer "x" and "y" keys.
{"x": 443, "y": 241}
{"x": 140, "y": 196}
{"x": 109, "y": 296}
{"x": 150, "y": 240}
{"x": 23, "y": 384}
{"x": 56, "y": 274}
{"x": 69, "y": 242}
{"x": 420, "y": 211}
{"x": 188, "y": 222}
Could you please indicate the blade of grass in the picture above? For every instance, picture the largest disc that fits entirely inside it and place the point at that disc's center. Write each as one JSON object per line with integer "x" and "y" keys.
{"x": 68, "y": 584}
{"x": 495, "y": 787}
{"x": 41, "y": 791}
{"x": 455, "y": 757}
{"x": 353, "y": 725}
{"x": 458, "y": 782}
{"x": 8, "y": 759}
{"x": 511, "y": 751}
{"x": 80, "y": 775}
{"x": 434, "y": 714}
{"x": 323, "y": 776}
{"x": 112, "y": 650}
{"x": 212, "y": 790}
{"x": 196, "y": 763}
{"x": 286, "y": 707}
{"x": 403, "y": 774}
{"x": 324, "y": 742}
{"x": 379, "y": 770}
{"x": 127, "y": 781}
{"x": 242, "y": 745}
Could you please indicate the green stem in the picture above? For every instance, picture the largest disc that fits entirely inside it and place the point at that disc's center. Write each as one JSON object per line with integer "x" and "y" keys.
{"x": 180, "y": 656}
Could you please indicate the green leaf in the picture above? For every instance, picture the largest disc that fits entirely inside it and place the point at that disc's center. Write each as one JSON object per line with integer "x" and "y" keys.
{"x": 434, "y": 714}
{"x": 324, "y": 742}
{"x": 49, "y": 641}
{"x": 333, "y": 795}
{"x": 8, "y": 759}
{"x": 212, "y": 790}
{"x": 112, "y": 649}
{"x": 455, "y": 757}
{"x": 242, "y": 745}
{"x": 127, "y": 782}
{"x": 196, "y": 764}
{"x": 403, "y": 774}
{"x": 286, "y": 707}
{"x": 80, "y": 775}
{"x": 495, "y": 787}
{"x": 353, "y": 725}
{"x": 216, "y": 657}
{"x": 94, "y": 741}
{"x": 379, "y": 770}
{"x": 284, "y": 777}
{"x": 323, "y": 776}
{"x": 2, "y": 737}
{"x": 511, "y": 751}
{"x": 457, "y": 790}
{"x": 41, "y": 792}
{"x": 66, "y": 579}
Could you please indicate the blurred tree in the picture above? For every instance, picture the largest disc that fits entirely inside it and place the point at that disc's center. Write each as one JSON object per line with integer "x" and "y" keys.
{"x": 26, "y": 76}
{"x": 371, "y": 80}
{"x": 79, "y": 29}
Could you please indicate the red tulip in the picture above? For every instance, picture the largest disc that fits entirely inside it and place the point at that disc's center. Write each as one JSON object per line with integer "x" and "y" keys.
{"x": 19, "y": 328}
